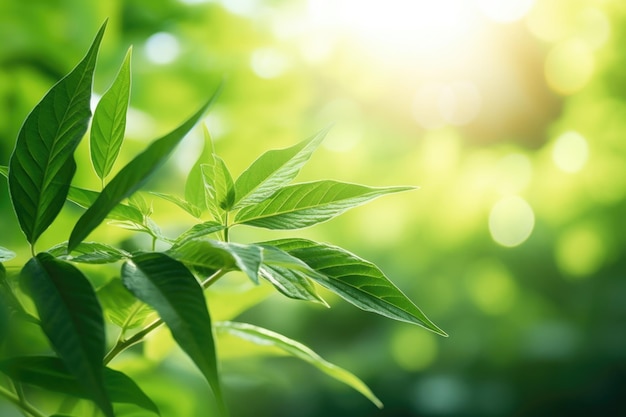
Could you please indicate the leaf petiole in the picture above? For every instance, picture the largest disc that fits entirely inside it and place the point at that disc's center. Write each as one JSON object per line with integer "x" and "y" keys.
{"x": 21, "y": 403}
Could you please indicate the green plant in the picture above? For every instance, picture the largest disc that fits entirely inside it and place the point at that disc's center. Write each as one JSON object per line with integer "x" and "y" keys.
{"x": 162, "y": 287}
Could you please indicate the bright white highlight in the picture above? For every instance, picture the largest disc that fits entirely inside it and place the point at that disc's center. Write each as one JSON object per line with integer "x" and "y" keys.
{"x": 438, "y": 104}
{"x": 269, "y": 63}
{"x": 511, "y": 221}
{"x": 505, "y": 11}
{"x": 162, "y": 48}
{"x": 570, "y": 152}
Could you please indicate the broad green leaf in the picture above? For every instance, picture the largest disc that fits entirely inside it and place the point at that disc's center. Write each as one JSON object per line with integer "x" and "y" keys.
{"x": 51, "y": 374}
{"x": 265, "y": 337}
{"x": 356, "y": 280}
{"x": 183, "y": 204}
{"x": 169, "y": 287}
{"x": 6, "y": 255}
{"x": 121, "y": 307}
{"x": 200, "y": 230}
{"x": 132, "y": 177}
{"x": 273, "y": 170}
{"x": 218, "y": 186}
{"x": 138, "y": 201}
{"x": 9, "y": 304}
{"x": 194, "y": 187}
{"x": 42, "y": 164}
{"x": 109, "y": 122}
{"x": 215, "y": 254}
{"x": 289, "y": 275}
{"x": 90, "y": 253}
{"x": 72, "y": 320}
{"x": 303, "y": 205}
{"x": 122, "y": 212}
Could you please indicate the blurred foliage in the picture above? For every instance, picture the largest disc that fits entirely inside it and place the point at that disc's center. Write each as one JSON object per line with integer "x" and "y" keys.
{"x": 514, "y": 129}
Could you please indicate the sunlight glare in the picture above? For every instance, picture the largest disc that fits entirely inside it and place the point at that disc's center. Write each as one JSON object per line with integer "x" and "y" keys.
{"x": 505, "y": 11}
{"x": 511, "y": 221}
{"x": 162, "y": 48}
{"x": 570, "y": 152}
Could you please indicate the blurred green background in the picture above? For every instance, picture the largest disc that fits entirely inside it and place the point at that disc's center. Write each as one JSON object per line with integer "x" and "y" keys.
{"x": 510, "y": 116}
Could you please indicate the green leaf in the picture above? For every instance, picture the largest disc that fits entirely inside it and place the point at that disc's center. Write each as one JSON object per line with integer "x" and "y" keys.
{"x": 194, "y": 187}
{"x": 72, "y": 320}
{"x": 183, "y": 204}
{"x": 273, "y": 170}
{"x": 90, "y": 253}
{"x": 264, "y": 337}
{"x": 200, "y": 230}
{"x": 122, "y": 212}
{"x": 288, "y": 275}
{"x": 303, "y": 205}
{"x": 132, "y": 177}
{"x": 51, "y": 374}
{"x": 169, "y": 287}
{"x": 109, "y": 122}
{"x": 42, "y": 164}
{"x": 215, "y": 254}
{"x": 356, "y": 280}
{"x": 6, "y": 255}
{"x": 4, "y": 171}
{"x": 121, "y": 307}
{"x": 218, "y": 186}
{"x": 10, "y": 305}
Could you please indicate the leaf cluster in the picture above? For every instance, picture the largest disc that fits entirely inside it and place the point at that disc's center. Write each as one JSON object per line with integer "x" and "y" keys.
{"x": 165, "y": 287}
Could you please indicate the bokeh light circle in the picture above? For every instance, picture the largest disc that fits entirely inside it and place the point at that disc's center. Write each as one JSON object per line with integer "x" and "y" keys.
{"x": 511, "y": 221}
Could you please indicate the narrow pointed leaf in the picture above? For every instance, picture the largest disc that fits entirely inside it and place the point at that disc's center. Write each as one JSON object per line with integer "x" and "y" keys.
{"x": 6, "y": 255}
{"x": 42, "y": 164}
{"x": 183, "y": 204}
{"x": 194, "y": 187}
{"x": 122, "y": 212}
{"x": 356, "y": 280}
{"x": 303, "y": 205}
{"x": 132, "y": 177}
{"x": 214, "y": 255}
{"x": 121, "y": 307}
{"x": 90, "y": 253}
{"x": 218, "y": 186}
{"x": 51, "y": 374}
{"x": 200, "y": 230}
{"x": 265, "y": 337}
{"x": 169, "y": 287}
{"x": 273, "y": 170}
{"x": 72, "y": 320}
{"x": 288, "y": 275}
{"x": 109, "y": 121}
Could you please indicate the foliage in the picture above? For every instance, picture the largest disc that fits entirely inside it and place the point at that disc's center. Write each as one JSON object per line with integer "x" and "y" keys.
{"x": 166, "y": 286}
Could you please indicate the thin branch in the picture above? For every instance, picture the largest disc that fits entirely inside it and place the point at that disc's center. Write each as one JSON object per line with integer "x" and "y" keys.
{"x": 21, "y": 403}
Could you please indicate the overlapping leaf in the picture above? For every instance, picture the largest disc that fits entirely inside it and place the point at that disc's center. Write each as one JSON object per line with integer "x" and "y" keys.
{"x": 218, "y": 186}
{"x": 51, "y": 374}
{"x": 200, "y": 230}
{"x": 194, "y": 187}
{"x": 121, "y": 307}
{"x": 168, "y": 286}
{"x": 6, "y": 255}
{"x": 356, "y": 280}
{"x": 303, "y": 205}
{"x": 72, "y": 320}
{"x": 261, "y": 336}
{"x": 214, "y": 255}
{"x": 90, "y": 253}
{"x": 42, "y": 164}
{"x": 182, "y": 203}
{"x": 272, "y": 170}
{"x": 132, "y": 177}
{"x": 109, "y": 122}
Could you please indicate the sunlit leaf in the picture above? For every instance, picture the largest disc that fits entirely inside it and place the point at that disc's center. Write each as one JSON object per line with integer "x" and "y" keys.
{"x": 200, "y": 230}
{"x": 138, "y": 201}
{"x": 194, "y": 187}
{"x": 132, "y": 177}
{"x": 183, "y": 204}
{"x": 6, "y": 255}
{"x": 219, "y": 188}
{"x": 72, "y": 320}
{"x": 122, "y": 212}
{"x": 51, "y": 374}
{"x": 264, "y": 337}
{"x": 303, "y": 205}
{"x": 90, "y": 253}
{"x": 109, "y": 121}
{"x": 121, "y": 307}
{"x": 42, "y": 164}
{"x": 273, "y": 170}
{"x": 169, "y": 287}
{"x": 4, "y": 171}
{"x": 215, "y": 254}
{"x": 288, "y": 275}
{"x": 356, "y": 280}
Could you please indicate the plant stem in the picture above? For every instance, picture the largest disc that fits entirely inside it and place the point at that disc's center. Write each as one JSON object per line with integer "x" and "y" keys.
{"x": 123, "y": 344}
{"x": 21, "y": 403}
{"x": 226, "y": 227}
